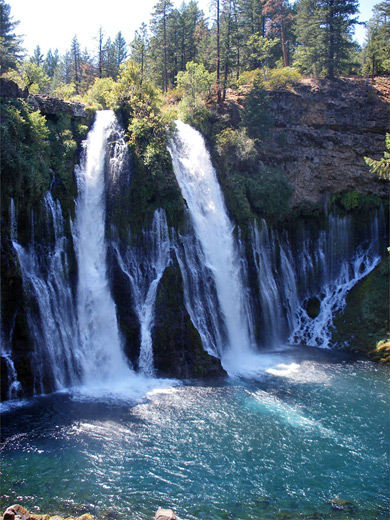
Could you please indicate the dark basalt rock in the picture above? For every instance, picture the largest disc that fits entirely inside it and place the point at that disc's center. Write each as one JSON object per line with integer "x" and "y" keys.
{"x": 9, "y": 89}
{"x": 50, "y": 106}
{"x": 177, "y": 346}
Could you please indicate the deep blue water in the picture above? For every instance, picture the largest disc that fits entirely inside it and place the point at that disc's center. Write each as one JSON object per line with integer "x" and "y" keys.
{"x": 306, "y": 436}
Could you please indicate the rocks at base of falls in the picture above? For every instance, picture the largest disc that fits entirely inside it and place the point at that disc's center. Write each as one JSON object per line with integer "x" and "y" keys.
{"x": 165, "y": 514}
{"x": 18, "y": 512}
{"x": 177, "y": 346}
{"x": 363, "y": 325}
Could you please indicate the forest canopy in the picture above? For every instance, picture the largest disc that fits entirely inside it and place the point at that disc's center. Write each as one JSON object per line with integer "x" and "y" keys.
{"x": 311, "y": 37}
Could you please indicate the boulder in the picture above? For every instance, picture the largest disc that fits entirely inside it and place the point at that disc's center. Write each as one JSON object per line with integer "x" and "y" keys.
{"x": 51, "y": 106}
{"x": 10, "y": 89}
{"x": 177, "y": 346}
{"x": 165, "y": 514}
{"x": 16, "y": 512}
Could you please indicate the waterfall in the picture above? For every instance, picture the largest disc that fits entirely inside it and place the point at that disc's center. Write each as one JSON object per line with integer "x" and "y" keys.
{"x": 51, "y": 313}
{"x": 323, "y": 268}
{"x": 340, "y": 264}
{"x": 200, "y": 189}
{"x": 263, "y": 249}
{"x": 144, "y": 266}
{"x": 101, "y": 355}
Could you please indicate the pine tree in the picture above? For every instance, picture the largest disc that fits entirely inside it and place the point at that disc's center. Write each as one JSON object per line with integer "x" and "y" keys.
{"x": 337, "y": 19}
{"x": 75, "y": 55}
{"x": 51, "y": 62}
{"x": 37, "y": 57}
{"x": 120, "y": 47}
{"x": 110, "y": 67}
{"x": 308, "y": 56}
{"x": 159, "y": 25}
{"x": 250, "y": 21}
{"x": 100, "y": 52}
{"x": 377, "y": 49}
{"x": 279, "y": 17}
{"x": 11, "y": 51}
{"x": 139, "y": 47}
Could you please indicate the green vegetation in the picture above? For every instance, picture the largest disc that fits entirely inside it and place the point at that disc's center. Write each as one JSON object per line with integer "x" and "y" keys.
{"x": 354, "y": 201}
{"x": 365, "y": 321}
{"x": 310, "y": 37}
{"x": 36, "y": 153}
{"x": 381, "y": 168}
{"x": 376, "y": 54}
{"x": 251, "y": 188}
{"x": 194, "y": 84}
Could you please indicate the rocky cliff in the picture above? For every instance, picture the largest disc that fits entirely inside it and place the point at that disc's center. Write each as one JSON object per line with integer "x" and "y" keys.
{"x": 321, "y": 133}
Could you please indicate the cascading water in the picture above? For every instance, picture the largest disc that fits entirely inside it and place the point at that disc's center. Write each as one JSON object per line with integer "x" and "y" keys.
{"x": 339, "y": 263}
{"x": 13, "y": 384}
{"x": 144, "y": 267}
{"x": 198, "y": 183}
{"x": 51, "y": 314}
{"x": 101, "y": 355}
{"x": 324, "y": 268}
{"x": 200, "y": 292}
{"x": 264, "y": 258}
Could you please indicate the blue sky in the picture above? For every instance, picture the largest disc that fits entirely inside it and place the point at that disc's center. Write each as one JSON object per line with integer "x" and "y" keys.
{"x": 51, "y": 24}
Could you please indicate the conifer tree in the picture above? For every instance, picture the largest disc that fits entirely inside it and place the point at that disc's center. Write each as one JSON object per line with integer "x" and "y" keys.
{"x": 37, "y": 57}
{"x": 11, "y": 51}
{"x": 120, "y": 47}
{"x": 337, "y": 19}
{"x": 159, "y": 25}
{"x": 279, "y": 17}
{"x": 75, "y": 55}
{"x": 139, "y": 47}
{"x": 308, "y": 57}
{"x": 377, "y": 49}
{"x": 51, "y": 62}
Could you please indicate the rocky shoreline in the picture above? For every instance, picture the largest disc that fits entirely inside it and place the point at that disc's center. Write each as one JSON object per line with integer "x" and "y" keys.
{"x": 18, "y": 512}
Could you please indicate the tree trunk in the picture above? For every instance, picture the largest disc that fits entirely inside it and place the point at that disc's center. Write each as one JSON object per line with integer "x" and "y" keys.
{"x": 218, "y": 57}
{"x": 285, "y": 56}
{"x": 165, "y": 54}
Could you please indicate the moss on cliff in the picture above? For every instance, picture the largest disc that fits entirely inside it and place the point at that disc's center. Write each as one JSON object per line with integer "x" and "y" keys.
{"x": 37, "y": 154}
{"x": 177, "y": 346}
{"x": 365, "y": 320}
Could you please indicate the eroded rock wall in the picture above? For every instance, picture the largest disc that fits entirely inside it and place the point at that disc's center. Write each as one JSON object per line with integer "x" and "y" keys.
{"x": 322, "y": 132}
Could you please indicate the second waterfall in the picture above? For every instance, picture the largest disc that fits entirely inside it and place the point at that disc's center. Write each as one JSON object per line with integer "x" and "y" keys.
{"x": 214, "y": 231}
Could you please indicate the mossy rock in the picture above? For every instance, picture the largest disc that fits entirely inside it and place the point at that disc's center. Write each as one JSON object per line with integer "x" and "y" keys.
{"x": 177, "y": 346}
{"x": 365, "y": 320}
{"x": 382, "y": 351}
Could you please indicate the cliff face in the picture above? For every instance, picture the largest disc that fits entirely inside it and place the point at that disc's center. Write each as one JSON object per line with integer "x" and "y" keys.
{"x": 322, "y": 132}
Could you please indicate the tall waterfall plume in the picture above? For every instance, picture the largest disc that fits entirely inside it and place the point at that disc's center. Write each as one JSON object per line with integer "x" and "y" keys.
{"x": 200, "y": 189}
{"x": 101, "y": 354}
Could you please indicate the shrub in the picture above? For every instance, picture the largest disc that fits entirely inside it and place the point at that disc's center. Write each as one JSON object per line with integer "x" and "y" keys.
{"x": 269, "y": 193}
{"x": 256, "y": 117}
{"x": 282, "y": 78}
{"x": 100, "y": 95}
